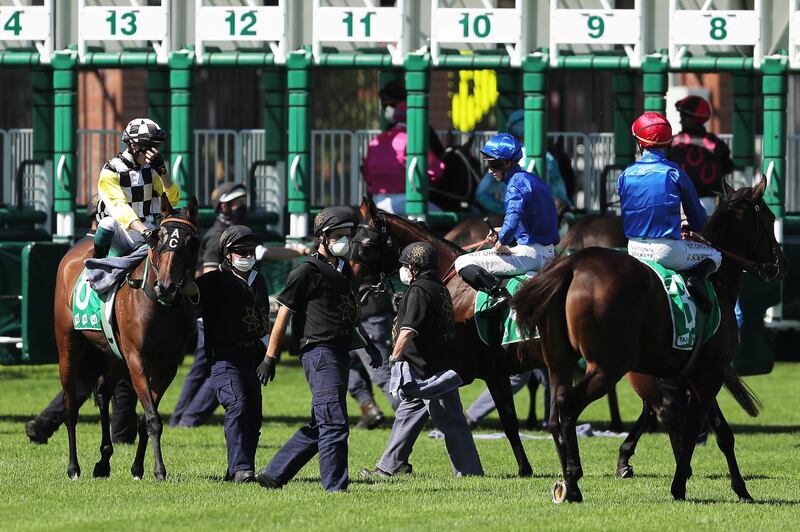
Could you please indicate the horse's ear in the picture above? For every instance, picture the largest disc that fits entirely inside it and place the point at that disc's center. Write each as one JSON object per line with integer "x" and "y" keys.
{"x": 373, "y": 210}
{"x": 727, "y": 189}
{"x": 450, "y": 138}
{"x": 193, "y": 207}
{"x": 166, "y": 207}
{"x": 363, "y": 209}
{"x": 467, "y": 146}
{"x": 760, "y": 188}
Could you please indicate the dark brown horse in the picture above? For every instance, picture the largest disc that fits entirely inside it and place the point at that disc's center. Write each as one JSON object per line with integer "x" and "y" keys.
{"x": 376, "y": 246}
{"x": 150, "y": 326}
{"x": 610, "y": 309}
{"x": 455, "y": 189}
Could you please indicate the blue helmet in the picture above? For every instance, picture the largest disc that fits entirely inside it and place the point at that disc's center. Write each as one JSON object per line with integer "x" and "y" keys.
{"x": 503, "y": 147}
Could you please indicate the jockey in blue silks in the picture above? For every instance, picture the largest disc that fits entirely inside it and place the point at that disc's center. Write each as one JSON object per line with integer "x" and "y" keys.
{"x": 530, "y": 222}
{"x": 652, "y": 192}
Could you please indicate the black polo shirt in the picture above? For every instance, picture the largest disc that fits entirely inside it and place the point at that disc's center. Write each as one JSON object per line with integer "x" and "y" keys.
{"x": 322, "y": 299}
{"x": 427, "y": 309}
{"x": 208, "y": 253}
{"x": 235, "y": 314}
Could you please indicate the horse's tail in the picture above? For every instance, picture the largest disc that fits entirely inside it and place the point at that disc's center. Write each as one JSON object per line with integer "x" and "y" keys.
{"x": 746, "y": 398}
{"x": 533, "y": 298}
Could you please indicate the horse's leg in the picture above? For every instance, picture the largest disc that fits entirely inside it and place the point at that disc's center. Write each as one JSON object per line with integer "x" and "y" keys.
{"x": 613, "y": 408}
{"x": 137, "y": 468}
{"x": 103, "y": 467}
{"x": 500, "y": 389}
{"x": 152, "y": 421}
{"x": 628, "y": 447}
{"x": 557, "y": 390}
{"x": 725, "y": 441}
{"x": 691, "y": 427}
{"x": 71, "y": 349}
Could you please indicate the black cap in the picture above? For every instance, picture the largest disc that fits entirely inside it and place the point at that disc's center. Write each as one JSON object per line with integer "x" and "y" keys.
{"x": 333, "y": 218}
{"x": 393, "y": 89}
{"x": 420, "y": 255}
{"x": 236, "y": 237}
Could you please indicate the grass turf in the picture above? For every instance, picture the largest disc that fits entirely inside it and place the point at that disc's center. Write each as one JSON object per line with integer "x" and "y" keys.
{"x": 35, "y": 492}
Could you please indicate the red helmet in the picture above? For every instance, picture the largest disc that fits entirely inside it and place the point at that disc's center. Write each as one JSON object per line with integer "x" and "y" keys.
{"x": 652, "y": 129}
{"x": 696, "y": 107}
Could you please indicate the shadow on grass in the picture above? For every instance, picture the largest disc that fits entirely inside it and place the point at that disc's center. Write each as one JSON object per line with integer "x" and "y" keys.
{"x": 757, "y": 502}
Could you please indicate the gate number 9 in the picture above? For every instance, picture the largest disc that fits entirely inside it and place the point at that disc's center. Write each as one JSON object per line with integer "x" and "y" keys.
{"x": 597, "y": 26}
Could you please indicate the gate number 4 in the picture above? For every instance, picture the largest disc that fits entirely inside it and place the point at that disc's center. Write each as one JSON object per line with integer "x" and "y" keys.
{"x": 13, "y": 23}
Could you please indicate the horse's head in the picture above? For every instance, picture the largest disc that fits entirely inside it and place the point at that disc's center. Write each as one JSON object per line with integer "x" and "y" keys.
{"x": 373, "y": 252}
{"x": 176, "y": 249}
{"x": 744, "y": 225}
{"x": 462, "y": 174}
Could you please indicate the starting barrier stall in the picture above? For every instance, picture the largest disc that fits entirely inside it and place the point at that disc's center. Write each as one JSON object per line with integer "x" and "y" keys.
{"x": 289, "y": 165}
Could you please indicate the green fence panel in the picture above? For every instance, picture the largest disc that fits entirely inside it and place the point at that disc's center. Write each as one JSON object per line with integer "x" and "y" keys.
{"x": 39, "y": 266}
{"x": 10, "y": 305}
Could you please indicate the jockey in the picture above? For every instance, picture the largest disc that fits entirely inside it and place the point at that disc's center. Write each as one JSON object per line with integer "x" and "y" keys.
{"x": 652, "y": 191}
{"x": 530, "y": 220}
{"x": 385, "y": 164}
{"x": 130, "y": 188}
{"x": 702, "y": 155}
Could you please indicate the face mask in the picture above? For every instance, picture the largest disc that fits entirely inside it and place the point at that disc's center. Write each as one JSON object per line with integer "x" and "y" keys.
{"x": 237, "y": 214}
{"x": 340, "y": 248}
{"x": 244, "y": 264}
{"x": 388, "y": 113}
{"x": 405, "y": 275}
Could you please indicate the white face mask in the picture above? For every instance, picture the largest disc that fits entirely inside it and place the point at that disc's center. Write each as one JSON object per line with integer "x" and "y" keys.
{"x": 340, "y": 248}
{"x": 244, "y": 264}
{"x": 405, "y": 275}
{"x": 388, "y": 113}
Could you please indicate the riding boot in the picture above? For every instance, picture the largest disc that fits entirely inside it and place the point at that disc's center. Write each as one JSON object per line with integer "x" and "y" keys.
{"x": 695, "y": 283}
{"x": 483, "y": 281}
{"x": 102, "y": 242}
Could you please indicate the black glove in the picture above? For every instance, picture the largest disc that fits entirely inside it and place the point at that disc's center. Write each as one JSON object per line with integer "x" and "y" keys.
{"x": 151, "y": 237}
{"x": 375, "y": 356}
{"x": 158, "y": 164}
{"x": 266, "y": 370}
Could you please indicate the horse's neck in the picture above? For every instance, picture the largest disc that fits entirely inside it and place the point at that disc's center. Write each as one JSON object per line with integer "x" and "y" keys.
{"x": 728, "y": 278}
{"x": 406, "y": 232}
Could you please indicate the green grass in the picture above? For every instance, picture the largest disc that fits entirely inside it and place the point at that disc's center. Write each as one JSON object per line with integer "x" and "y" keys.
{"x": 35, "y": 492}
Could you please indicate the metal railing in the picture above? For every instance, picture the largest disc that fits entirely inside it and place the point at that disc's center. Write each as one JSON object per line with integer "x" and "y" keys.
{"x": 95, "y": 147}
{"x": 267, "y": 178}
{"x": 335, "y": 168}
{"x": 217, "y": 160}
{"x": 17, "y": 146}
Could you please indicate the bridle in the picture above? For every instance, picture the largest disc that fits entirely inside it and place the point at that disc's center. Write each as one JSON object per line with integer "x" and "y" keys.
{"x": 368, "y": 255}
{"x": 760, "y": 269}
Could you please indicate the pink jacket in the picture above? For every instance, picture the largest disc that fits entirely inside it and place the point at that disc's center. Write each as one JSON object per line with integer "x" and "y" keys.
{"x": 385, "y": 162}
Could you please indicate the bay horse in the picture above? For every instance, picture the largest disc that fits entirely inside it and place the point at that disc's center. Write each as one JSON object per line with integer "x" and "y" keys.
{"x": 376, "y": 246}
{"x": 610, "y": 309}
{"x": 151, "y": 326}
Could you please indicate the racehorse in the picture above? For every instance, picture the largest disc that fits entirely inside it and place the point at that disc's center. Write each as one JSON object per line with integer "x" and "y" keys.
{"x": 150, "y": 326}
{"x": 455, "y": 189}
{"x": 376, "y": 247}
{"x": 610, "y": 309}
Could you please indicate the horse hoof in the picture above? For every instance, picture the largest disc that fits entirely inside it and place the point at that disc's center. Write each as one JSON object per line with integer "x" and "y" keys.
{"x": 746, "y": 499}
{"x": 160, "y": 475}
{"x": 625, "y": 472}
{"x": 137, "y": 472}
{"x": 101, "y": 470}
{"x": 558, "y": 493}
{"x": 525, "y": 471}
{"x": 74, "y": 473}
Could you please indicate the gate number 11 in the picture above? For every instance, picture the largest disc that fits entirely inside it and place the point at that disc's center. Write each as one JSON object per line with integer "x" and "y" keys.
{"x": 365, "y": 20}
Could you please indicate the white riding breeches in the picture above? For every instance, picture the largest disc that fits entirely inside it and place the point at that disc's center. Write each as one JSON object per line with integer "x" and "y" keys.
{"x": 709, "y": 203}
{"x": 674, "y": 254}
{"x": 125, "y": 240}
{"x": 522, "y": 259}
{"x": 396, "y": 204}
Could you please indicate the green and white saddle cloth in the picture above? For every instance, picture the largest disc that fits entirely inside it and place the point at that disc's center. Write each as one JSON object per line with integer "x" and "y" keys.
{"x": 683, "y": 309}
{"x": 93, "y": 312}
{"x": 483, "y": 302}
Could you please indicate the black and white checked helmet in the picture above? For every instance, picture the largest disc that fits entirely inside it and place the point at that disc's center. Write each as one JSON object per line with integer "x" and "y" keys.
{"x": 144, "y": 132}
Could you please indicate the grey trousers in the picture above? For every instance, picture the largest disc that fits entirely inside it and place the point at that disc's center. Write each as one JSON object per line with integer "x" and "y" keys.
{"x": 448, "y": 416}
{"x": 484, "y": 404}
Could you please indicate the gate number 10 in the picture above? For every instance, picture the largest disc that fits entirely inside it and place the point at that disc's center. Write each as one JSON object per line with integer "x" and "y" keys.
{"x": 481, "y": 25}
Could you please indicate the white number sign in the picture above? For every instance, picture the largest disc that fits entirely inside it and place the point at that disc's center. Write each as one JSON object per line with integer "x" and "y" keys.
{"x": 596, "y": 26}
{"x": 29, "y": 23}
{"x": 241, "y": 23}
{"x": 794, "y": 34}
{"x": 714, "y": 27}
{"x": 128, "y": 23}
{"x": 359, "y": 24}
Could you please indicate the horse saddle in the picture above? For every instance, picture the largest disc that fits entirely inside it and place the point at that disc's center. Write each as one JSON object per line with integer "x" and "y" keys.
{"x": 93, "y": 311}
{"x": 683, "y": 308}
{"x": 490, "y": 317}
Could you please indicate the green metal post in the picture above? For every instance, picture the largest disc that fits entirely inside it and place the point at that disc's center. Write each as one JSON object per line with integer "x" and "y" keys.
{"x": 624, "y": 114}
{"x": 64, "y": 145}
{"x": 273, "y": 86}
{"x": 42, "y": 82}
{"x": 773, "y": 86}
{"x": 298, "y": 185}
{"x": 508, "y": 88}
{"x": 534, "y": 85}
{"x": 158, "y": 108}
{"x": 743, "y": 120}
{"x": 654, "y": 83}
{"x": 417, "y": 86}
{"x": 181, "y": 141}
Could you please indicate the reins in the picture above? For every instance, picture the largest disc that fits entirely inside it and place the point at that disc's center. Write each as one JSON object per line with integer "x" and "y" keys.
{"x": 745, "y": 263}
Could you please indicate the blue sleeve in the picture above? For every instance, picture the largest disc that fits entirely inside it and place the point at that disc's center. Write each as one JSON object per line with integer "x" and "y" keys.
{"x": 486, "y": 194}
{"x": 695, "y": 213}
{"x": 514, "y": 204}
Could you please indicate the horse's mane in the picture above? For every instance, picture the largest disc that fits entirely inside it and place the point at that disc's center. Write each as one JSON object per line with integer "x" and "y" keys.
{"x": 423, "y": 232}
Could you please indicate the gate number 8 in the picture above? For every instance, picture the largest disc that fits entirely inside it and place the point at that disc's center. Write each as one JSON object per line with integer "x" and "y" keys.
{"x": 718, "y": 31}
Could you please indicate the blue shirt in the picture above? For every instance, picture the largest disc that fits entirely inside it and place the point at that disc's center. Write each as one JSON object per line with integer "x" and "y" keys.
{"x": 531, "y": 216}
{"x": 490, "y": 192}
{"x": 651, "y": 192}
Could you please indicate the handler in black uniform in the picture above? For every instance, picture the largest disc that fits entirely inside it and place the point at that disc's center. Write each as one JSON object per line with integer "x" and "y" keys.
{"x": 425, "y": 337}
{"x": 320, "y": 300}
{"x": 234, "y": 306}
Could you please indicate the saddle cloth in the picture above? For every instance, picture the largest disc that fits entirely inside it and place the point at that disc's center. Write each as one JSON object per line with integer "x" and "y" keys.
{"x": 484, "y": 319}
{"x": 683, "y": 309}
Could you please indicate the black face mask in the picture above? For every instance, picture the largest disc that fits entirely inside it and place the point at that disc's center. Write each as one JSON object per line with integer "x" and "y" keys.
{"x": 238, "y": 214}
